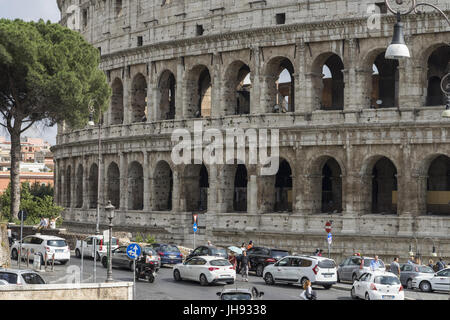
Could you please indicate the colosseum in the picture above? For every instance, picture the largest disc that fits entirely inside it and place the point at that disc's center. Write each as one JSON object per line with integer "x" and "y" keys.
{"x": 362, "y": 141}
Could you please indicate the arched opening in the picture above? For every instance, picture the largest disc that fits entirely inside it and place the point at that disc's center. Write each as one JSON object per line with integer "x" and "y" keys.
{"x": 135, "y": 186}
{"x": 139, "y": 99}
{"x": 385, "y": 82}
{"x": 438, "y": 186}
{"x": 438, "y": 67}
{"x": 117, "y": 102}
{"x": 237, "y": 89}
{"x": 331, "y": 187}
{"x": 240, "y": 189}
{"x": 162, "y": 187}
{"x": 332, "y": 95}
{"x": 384, "y": 187}
{"x": 167, "y": 86}
{"x": 113, "y": 186}
{"x": 283, "y": 188}
{"x": 68, "y": 188}
{"x": 93, "y": 186}
{"x": 280, "y": 85}
{"x": 196, "y": 187}
{"x": 198, "y": 89}
{"x": 79, "y": 186}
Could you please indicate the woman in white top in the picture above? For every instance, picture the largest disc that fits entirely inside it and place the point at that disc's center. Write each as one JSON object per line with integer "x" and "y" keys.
{"x": 308, "y": 293}
{"x": 53, "y": 222}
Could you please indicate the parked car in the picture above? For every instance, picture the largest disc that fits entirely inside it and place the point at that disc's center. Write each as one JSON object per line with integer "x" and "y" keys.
{"x": 88, "y": 246}
{"x": 434, "y": 281}
{"x": 42, "y": 245}
{"x": 409, "y": 271}
{"x": 206, "y": 270}
{"x": 208, "y": 251}
{"x": 169, "y": 253}
{"x": 240, "y": 292}
{"x": 20, "y": 277}
{"x": 260, "y": 257}
{"x": 299, "y": 269}
{"x": 120, "y": 258}
{"x": 350, "y": 269}
{"x": 378, "y": 285}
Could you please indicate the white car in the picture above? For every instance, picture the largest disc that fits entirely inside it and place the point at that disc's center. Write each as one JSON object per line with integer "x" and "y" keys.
{"x": 298, "y": 269}
{"x": 42, "y": 245}
{"x": 434, "y": 281}
{"x": 206, "y": 270}
{"x": 378, "y": 285}
{"x": 88, "y": 246}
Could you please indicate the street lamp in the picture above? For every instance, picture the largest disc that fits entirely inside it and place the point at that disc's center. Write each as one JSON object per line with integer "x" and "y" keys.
{"x": 398, "y": 49}
{"x": 110, "y": 214}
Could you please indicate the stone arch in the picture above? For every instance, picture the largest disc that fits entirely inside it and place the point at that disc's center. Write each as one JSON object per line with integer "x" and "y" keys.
{"x": 384, "y": 82}
{"x": 68, "y": 186}
{"x": 113, "y": 184}
{"x": 196, "y": 186}
{"x": 167, "y": 93}
{"x": 117, "y": 102}
{"x": 198, "y": 89}
{"x": 283, "y": 187}
{"x": 240, "y": 189}
{"x": 162, "y": 187}
{"x": 79, "y": 186}
{"x": 135, "y": 186}
{"x": 138, "y": 98}
{"x": 438, "y": 186}
{"x": 329, "y": 81}
{"x": 60, "y": 187}
{"x": 438, "y": 64}
{"x": 237, "y": 88}
{"x": 93, "y": 186}
{"x": 279, "y": 85}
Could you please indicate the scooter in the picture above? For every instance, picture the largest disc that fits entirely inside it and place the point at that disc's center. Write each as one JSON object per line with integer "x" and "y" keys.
{"x": 146, "y": 269}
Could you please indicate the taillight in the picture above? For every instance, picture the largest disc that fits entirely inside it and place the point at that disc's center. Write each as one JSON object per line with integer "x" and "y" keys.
{"x": 401, "y": 288}
{"x": 48, "y": 249}
{"x": 316, "y": 269}
{"x": 161, "y": 253}
{"x": 181, "y": 255}
{"x": 271, "y": 260}
{"x": 231, "y": 268}
{"x": 101, "y": 244}
{"x": 212, "y": 268}
{"x": 373, "y": 287}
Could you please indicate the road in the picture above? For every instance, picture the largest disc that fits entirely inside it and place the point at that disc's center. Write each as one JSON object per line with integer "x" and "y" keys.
{"x": 166, "y": 288}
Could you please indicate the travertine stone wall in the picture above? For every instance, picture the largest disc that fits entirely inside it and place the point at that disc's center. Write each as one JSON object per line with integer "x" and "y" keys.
{"x": 5, "y": 260}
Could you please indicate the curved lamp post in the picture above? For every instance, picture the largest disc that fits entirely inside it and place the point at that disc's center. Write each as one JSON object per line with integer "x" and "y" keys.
{"x": 110, "y": 215}
{"x": 398, "y": 49}
{"x": 433, "y": 252}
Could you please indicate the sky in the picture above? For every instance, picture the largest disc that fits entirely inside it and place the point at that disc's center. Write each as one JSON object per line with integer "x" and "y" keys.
{"x": 32, "y": 10}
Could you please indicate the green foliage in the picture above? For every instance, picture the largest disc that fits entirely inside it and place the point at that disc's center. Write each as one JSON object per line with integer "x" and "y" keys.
{"x": 139, "y": 238}
{"x": 49, "y": 72}
{"x": 150, "y": 239}
{"x": 36, "y": 201}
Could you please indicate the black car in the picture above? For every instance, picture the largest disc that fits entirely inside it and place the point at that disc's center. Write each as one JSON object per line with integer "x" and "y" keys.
{"x": 260, "y": 257}
{"x": 208, "y": 251}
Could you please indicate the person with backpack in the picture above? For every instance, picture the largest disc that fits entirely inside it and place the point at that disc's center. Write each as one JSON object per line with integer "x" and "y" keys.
{"x": 440, "y": 264}
{"x": 308, "y": 293}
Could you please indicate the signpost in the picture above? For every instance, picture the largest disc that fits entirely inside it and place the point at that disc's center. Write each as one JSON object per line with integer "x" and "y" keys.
{"x": 133, "y": 252}
{"x": 329, "y": 237}
{"x": 194, "y": 226}
{"x": 22, "y": 216}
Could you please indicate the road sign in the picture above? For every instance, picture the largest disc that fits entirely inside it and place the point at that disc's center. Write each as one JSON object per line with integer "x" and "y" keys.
{"x": 22, "y": 213}
{"x": 328, "y": 227}
{"x": 133, "y": 251}
{"x": 194, "y": 227}
{"x": 330, "y": 238}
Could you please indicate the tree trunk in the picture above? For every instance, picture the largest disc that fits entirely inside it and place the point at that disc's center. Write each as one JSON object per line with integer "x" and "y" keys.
{"x": 15, "y": 172}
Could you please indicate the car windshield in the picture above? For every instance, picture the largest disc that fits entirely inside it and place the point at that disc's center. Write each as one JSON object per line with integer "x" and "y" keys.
{"x": 237, "y": 296}
{"x": 279, "y": 253}
{"x": 149, "y": 251}
{"x": 57, "y": 243}
{"x": 327, "y": 264}
{"x": 10, "y": 277}
{"x": 169, "y": 248}
{"x": 221, "y": 262}
{"x": 32, "y": 278}
{"x": 387, "y": 280}
{"x": 367, "y": 262}
{"x": 425, "y": 269}
{"x": 219, "y": 252}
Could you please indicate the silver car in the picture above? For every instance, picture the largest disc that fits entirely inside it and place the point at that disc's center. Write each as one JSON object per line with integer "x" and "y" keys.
{"x": 240, "y": 292}
{"x": 350, "y": 269}
{"x": 20, "y": 277}
{"x": 409, "y": 271}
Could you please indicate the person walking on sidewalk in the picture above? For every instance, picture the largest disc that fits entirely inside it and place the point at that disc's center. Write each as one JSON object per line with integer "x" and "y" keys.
{"x": 375, "y": 264}
{"x": 395, "y": 267}
{"x": 245, "y": 265}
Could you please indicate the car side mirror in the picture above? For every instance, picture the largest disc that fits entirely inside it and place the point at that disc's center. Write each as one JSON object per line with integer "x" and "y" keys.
{"x": 218, "y": 293}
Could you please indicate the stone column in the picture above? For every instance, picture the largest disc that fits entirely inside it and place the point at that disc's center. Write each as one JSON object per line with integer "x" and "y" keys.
{"x": 147, "y": 182}
{"x": 408, "y": 199}
{"x": 312, "y": 91}
{"x": 123, "y": 181}
{"x": 73, "y": 184}
{"x": 410, "y": 86}
{"x": 255, "y": 95}
{"x": 177, "y": 204}
{"x": 179, "y": 92}
{"x": 126, "y": 99}
{"x": 252, "y": 195}
{"x": 63, "y": 187}
{"x": 300, "y": 78}
{"x": 56, "y": 185}
{"x": 85, "y": 183}
{"x": 213, "y": 190}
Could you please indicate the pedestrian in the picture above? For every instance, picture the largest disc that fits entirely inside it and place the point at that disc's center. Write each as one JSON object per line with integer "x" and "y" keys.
{"x": 243, "y": 246}
{"x": 375, "y": 264}
{"x": 250, "y": 245}
{"x": 245, "y": 265}
{"x": 395, "y": 267}
{"x": 440, "y": 264}
{"x": 308, "y": 293}
{"x": 232, "y": 260}
{"x": 411, "y": 260}
{"x": 209, "y": 243}
{"x": 53, "y": 222}
{"x": 316, "y": 253}
{"x": 417, "y": 261}
{"x": 42, "y": 224}
{"x": 431, "y": 263}
{"x": 320, "y": 253}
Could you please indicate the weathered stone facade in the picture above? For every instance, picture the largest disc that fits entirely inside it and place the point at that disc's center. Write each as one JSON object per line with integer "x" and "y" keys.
{"x": 364, "y": 146}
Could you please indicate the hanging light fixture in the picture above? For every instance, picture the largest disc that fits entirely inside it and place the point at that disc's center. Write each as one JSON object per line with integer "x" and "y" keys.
{"x": 398, "y": 49}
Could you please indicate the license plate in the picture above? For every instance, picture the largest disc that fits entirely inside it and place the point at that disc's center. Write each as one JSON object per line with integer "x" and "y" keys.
{"x": 59, "y": 250}
{"x": 172, "y": 257}
{"x": 387, "y": 297}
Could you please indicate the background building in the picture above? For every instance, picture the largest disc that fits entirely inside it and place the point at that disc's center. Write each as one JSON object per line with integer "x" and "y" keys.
{"x": 362, "y": 142}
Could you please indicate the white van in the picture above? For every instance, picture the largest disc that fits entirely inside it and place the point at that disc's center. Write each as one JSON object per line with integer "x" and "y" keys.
{"x": 299, "y": 269}
{"x": 88, "y": 246}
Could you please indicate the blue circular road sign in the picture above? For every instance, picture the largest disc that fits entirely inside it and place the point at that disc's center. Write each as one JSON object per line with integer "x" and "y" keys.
{"x": 133, "y": 251}
{"x": 194, "y": 227}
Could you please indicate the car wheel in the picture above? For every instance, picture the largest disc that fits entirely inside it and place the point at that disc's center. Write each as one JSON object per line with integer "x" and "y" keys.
{"x": 63, "y": 262}
{"x": 367, "y": 296}
{"x": 327, "y": 286}
{"x": 268, "y": 278}
{"x": 150, "y": 278}
{"x": 77, "y": 254}
{"x": 259, "y": 270}
{"x": 230, "y": 282}
{"x": 203, "y": 280}
{"x": 353, "y": 294}
{"x": 425, "y": 286}
{"x": 14, "y": 254}
{"x": 354, "y": 276}
{"x": 176, "y": 275}
{"x": 409, "y": 284}
{"x": 104, "y": 262}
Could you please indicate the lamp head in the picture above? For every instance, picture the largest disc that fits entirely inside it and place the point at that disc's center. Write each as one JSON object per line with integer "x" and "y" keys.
{"x": 110, "y": 210}
{"x": 398, "y": 49}
{"x": 446, "y": 113}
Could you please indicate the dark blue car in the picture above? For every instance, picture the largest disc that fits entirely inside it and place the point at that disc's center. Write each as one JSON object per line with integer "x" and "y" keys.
{"x": 169, "y": 253}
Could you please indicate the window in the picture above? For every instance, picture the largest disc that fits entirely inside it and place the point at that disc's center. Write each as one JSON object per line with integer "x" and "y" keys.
{"x": 32, "y": 278}
{"x": 10, "y": 277}
{"x": 121, "y": 250}
{"x": 85, "y": 19}
{"x": 407, "y": 268}
{"x": 221, "y": 262}
{"x": 305, "y": 263}
{"x": 365, "y": 277}
{"x": 89, "y": 241}
{"x": 391, "y": 281}
{"x": 327, "y": 264}
{"x": 118, "y": 7}
{"x": 57, "y": 243}
{"x": 197, "y": 251}
{"x": 140, "y": 41}
{"x": 200, "y": 30}
{"x": 425, "y": 269}
{"x": 236, "y": 296}
{"x": 296, "y": 262}
{"x": 200, "y": 262}
{"x": 279, "y": 253}
{"x": 280, "y": 18}
{"x": 170, "y": 248}
{"x": 283, "y": 262}
{"x": 443, "y": 273}
{"x": 35, "y": 240}
{"x": 27, "y": 240}
{"x": 355, "y": 261}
